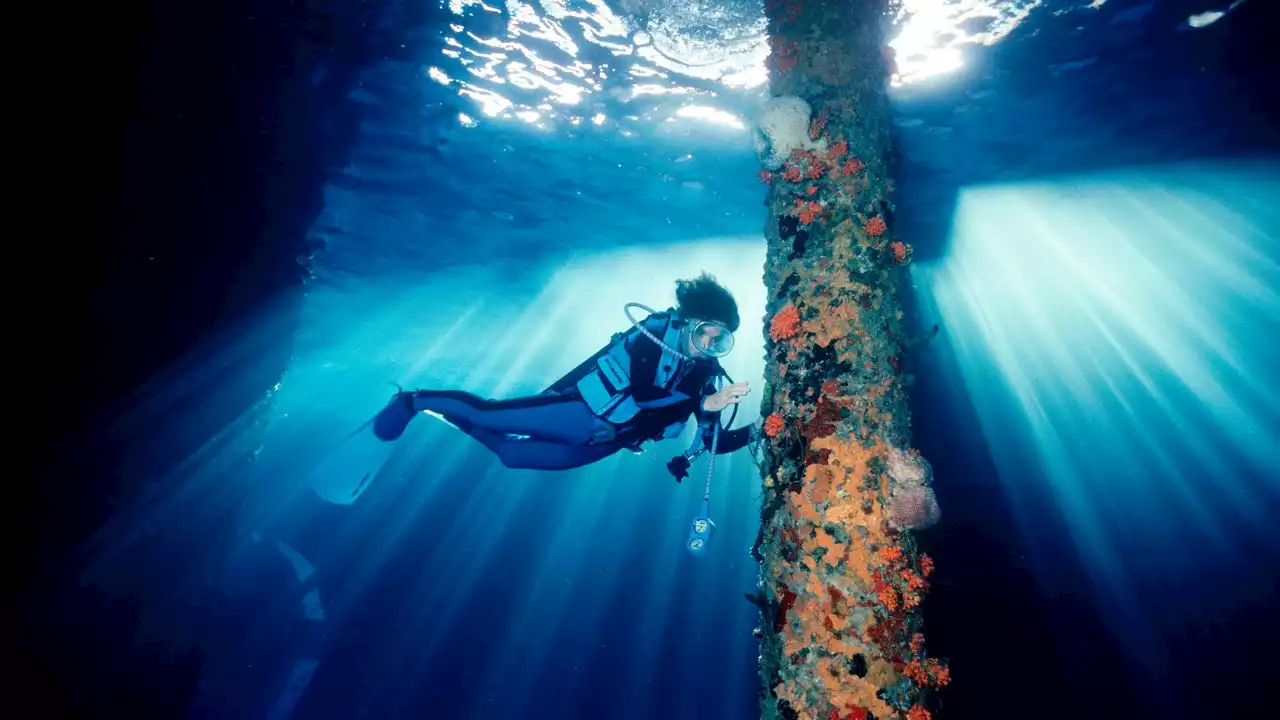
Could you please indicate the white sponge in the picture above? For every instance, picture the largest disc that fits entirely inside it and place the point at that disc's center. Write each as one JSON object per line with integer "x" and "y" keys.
{"x": 784, "y": 126}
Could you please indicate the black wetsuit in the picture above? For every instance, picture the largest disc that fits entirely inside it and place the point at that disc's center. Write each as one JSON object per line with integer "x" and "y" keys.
{"x": 556, "y": 430}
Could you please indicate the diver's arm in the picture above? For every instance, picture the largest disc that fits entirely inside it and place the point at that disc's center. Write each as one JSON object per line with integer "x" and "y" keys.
{"x": 730, "y": 440}
{"x": 705, "y": 436}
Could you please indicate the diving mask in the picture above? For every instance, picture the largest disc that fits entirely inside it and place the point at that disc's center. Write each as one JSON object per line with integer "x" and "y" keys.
{"x": 711, "y": 338}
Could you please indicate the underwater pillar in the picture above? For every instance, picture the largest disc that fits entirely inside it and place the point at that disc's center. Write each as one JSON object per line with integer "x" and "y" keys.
{"x": 841, "y": 576}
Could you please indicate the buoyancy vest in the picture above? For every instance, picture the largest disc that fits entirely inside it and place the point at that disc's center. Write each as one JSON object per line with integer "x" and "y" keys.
{"x": 607, "y": 389}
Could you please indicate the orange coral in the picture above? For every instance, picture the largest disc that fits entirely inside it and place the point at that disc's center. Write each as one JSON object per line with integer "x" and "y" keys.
{"x": 773, "y": 425}
{"x": 913, "y": 581}
{"x": 875, "y": 227}
{"x": 786, "y": 324}
{"x": 835, "y": 323}
{"x": 828, "y": 543}
{"x": 926, "y": 565}
{"x": 822, "y": 479}
{"x": 889, "y": 554}
{"x": 929, "y": 673}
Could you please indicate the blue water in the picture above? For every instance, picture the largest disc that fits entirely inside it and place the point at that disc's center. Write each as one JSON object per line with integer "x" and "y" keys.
{"x": 1093, "y": 202}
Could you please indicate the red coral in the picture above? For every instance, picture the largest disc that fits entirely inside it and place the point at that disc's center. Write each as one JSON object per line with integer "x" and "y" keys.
{"x": 929, "y": 673}
{"x": 794, "y": 8}
{"x": 887, "y": 631}
{"x": 765, "y": 176}
{"x": 784, "y": 56}
{"x": 807, "y": 212}
{"x": 825, "y": 416}
{"x": 820, "y": 456}
{"x": 918, "y": 713}
{"x": 901, "y": 251}
{"x": 838, "y": 150}
{"x": 913, "y": 581}
{"x": 773, "y": 425}
{"x": 875, "y": 227}
{"x": 817, "y": 125}
{"x": 851, "y": 166}
{"x": 786, "y": 324}
{"x": 792, "y": 173}
{"x": 789, "y": 10}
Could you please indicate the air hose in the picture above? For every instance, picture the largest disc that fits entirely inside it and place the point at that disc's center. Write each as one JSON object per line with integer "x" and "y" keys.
{"x": 700, "y": 529}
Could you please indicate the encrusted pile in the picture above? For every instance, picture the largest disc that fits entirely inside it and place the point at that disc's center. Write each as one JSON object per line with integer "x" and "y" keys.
{"x": 841, "y": 575}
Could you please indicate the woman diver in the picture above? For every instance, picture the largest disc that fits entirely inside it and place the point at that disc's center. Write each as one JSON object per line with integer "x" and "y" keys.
{"x": 644, "y": 385}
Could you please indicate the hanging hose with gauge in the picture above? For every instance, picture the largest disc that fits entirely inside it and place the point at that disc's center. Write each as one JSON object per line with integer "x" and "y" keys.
{"x": 707, "y": 339}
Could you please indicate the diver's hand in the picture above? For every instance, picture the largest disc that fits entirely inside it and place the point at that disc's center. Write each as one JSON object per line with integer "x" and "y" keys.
{"x": 728, "y": 395}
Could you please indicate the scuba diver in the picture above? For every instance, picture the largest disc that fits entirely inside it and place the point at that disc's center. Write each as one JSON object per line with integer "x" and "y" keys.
{"x": 644, "y": 385}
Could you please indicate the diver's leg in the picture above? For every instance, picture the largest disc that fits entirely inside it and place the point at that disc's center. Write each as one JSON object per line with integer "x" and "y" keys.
{"x": 541, "y": 454}
{"x": 560, "y": 419}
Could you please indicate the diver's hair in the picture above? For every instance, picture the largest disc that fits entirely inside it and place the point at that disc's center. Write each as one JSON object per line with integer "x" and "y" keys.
{"x": 705, "y": 299}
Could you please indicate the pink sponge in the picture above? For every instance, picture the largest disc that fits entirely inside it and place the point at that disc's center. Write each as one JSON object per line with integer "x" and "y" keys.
{"x": 912, "y": 504}
{"x": 913, "y": 507}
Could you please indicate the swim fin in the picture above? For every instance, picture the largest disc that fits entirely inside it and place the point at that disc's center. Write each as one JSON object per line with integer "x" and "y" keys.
{"x": 344, "y": 474}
